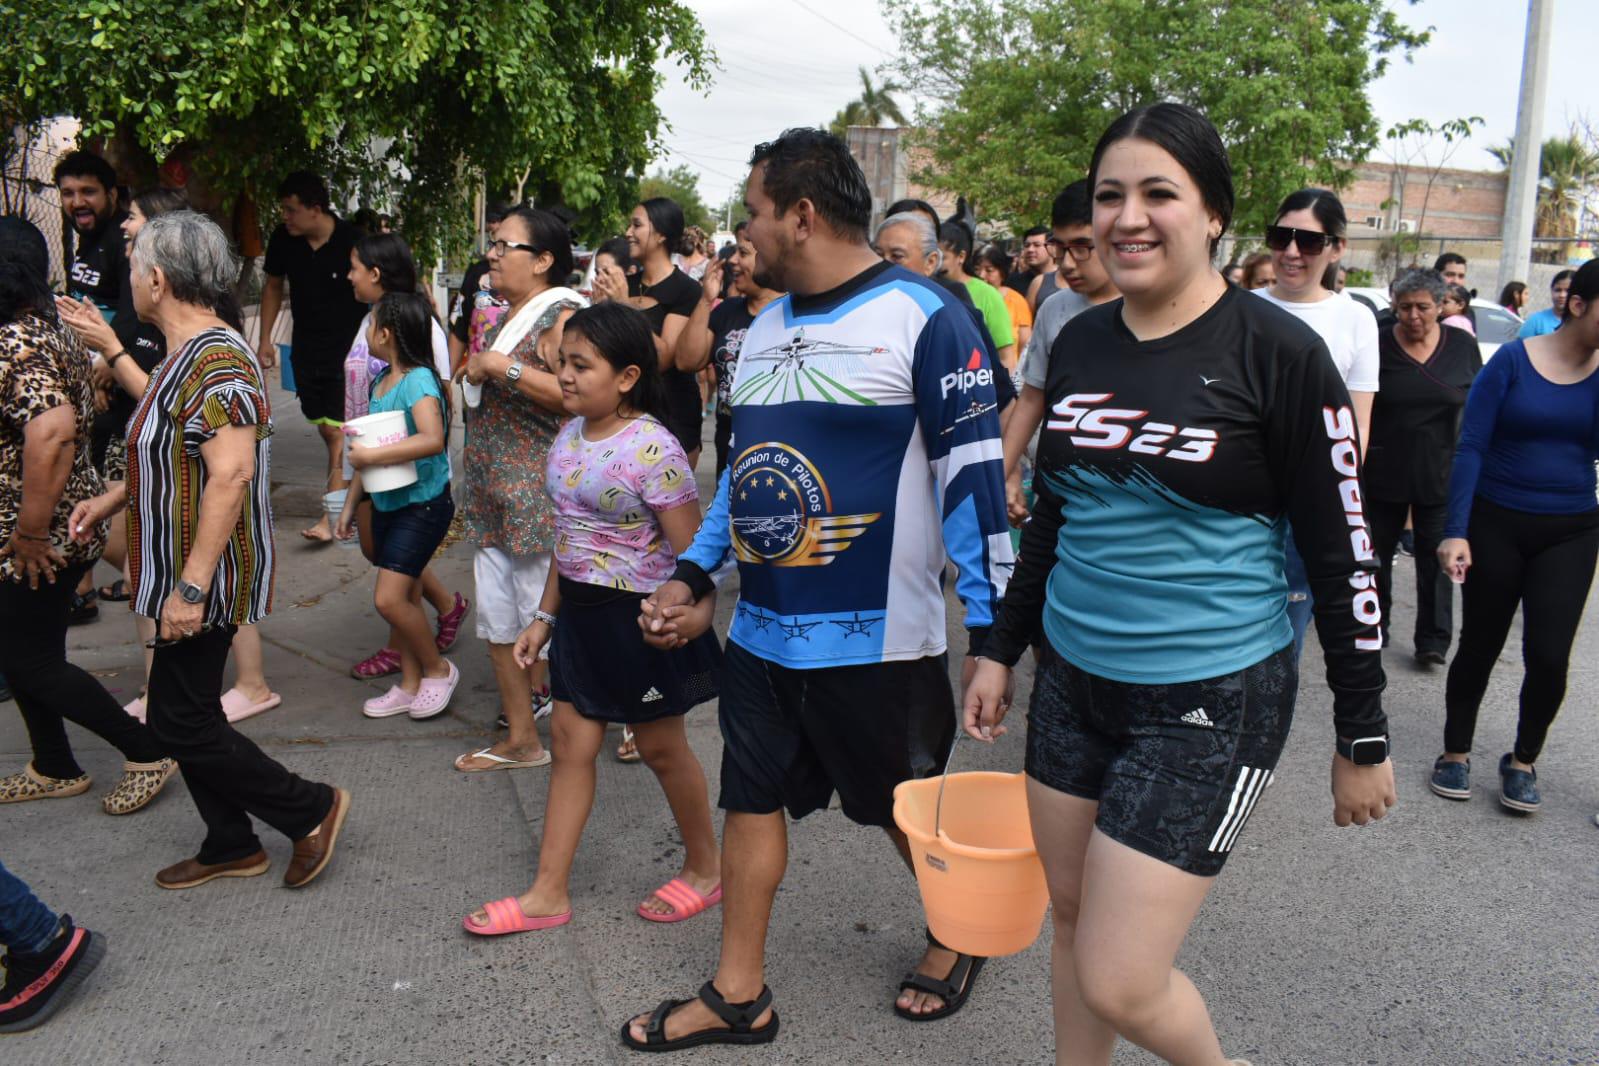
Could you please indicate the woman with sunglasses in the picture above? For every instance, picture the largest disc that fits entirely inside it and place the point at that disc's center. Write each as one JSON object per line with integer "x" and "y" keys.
{"x": 1306, "y": 243}
{"x": 1424, "y": 371}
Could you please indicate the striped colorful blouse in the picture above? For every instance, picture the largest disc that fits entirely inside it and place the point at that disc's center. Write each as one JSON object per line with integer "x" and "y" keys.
{"x": 212, "y": 382}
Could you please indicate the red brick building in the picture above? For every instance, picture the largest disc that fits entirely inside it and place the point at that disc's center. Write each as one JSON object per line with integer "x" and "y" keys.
{"x": 1461, "y": 203}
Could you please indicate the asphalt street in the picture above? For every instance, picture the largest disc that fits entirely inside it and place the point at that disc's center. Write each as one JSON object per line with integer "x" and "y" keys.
{"x": 1451, "y": 933}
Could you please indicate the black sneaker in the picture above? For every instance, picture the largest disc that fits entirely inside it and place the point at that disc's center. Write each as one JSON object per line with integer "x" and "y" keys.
{"x": 38, "y": 985}
{"x": 1518, "y": 789}
{"x": 85, "y": 608}
{"x": 1429, "y": 657}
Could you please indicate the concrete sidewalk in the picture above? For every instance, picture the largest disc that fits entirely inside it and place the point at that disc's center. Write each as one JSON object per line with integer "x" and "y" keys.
{"x": 1450, "y": 933}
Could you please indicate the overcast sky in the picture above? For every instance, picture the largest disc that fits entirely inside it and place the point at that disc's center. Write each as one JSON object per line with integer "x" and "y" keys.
{"x": 793, "y": 63}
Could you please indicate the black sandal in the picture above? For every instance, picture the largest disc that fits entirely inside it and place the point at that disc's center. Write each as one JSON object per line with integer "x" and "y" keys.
{"x": 953, "y": 990}
{"x": 738, "y": 1016}
{"x": 85, "y": 608}
{"x": 116, "y": 592}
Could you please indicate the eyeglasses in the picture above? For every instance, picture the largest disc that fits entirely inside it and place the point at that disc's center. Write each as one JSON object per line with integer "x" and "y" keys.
{"x": 1079, "y": 250}
{"x": 1309, "y": 242}
{"x": 501, "y": 247}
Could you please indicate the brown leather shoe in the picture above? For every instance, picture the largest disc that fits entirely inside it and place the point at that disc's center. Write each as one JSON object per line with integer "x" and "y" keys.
{"x": 312, "y": 853}
{"x": 192, "y": 872}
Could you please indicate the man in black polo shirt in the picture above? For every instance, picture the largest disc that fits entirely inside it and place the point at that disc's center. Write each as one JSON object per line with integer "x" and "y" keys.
{"x": 92, "y": 207}
{"x": 312, "y": 249}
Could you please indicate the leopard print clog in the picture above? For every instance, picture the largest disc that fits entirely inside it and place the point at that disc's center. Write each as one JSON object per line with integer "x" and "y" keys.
{"x": 30, "y": 784}
{"x": 141, "y": 782}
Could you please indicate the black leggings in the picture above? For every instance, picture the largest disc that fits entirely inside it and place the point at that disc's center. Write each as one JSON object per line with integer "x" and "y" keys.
{"x": 50, "y": 690}
{"x": 1435, "y": 603}
{"x": 1544, "y": 563}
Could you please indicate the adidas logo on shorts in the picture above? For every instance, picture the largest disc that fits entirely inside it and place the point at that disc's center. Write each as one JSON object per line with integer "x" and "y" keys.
{"x": 1197, "y": 716}
{"x": 652, "y": 695}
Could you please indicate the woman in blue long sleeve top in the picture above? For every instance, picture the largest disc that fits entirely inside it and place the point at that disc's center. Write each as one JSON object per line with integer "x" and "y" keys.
{"x": 1523, "y": 529}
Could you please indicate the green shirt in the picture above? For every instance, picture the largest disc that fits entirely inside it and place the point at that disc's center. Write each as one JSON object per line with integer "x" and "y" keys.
{"x": 991, "y": 305}
{"x": 433, "y": 471}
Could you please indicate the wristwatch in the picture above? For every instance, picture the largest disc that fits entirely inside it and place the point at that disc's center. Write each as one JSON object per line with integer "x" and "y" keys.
{"x": 1364, "y": 751}
{"x": 513, "y": 373}
{"x": 189, "y": 592}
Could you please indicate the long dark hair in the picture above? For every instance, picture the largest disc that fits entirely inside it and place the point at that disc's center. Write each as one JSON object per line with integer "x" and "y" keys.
{"x": 1584, "y": 286}
{"x": 24, "y": 272}
{"x": 622, "y": 336}
{"x": 390, "y": 256}
{"x": 409, "y": 316}
{"x": 159, "y": 200}
{"x": 1510, "y": 296}
{"x": 1188, "y": 137}
{"x": 666, "y": 218}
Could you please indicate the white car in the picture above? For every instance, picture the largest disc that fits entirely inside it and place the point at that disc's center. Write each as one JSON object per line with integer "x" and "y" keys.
{"x": 1495, "y": 325}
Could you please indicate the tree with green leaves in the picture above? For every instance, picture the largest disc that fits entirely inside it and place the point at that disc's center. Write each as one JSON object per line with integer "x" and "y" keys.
{"x": 874, "y": 106}
{"x": 1021, "y": 89}
{"x": 1568, "y": 173}
{"x": 682, "y": 184}
{"x": 405, "y": 104}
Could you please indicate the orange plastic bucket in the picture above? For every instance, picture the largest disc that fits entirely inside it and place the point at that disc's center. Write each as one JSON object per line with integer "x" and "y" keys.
{"x": 981, "y": 882}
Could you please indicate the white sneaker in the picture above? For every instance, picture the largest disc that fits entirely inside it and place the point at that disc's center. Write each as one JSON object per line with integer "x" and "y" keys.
{"x": 543, "y": 705}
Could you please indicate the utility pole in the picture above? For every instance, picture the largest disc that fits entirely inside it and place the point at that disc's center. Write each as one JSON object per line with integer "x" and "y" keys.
{"x": 1521, "y": 198}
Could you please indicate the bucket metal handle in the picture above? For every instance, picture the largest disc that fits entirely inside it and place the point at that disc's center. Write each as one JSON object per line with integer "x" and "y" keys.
{"x": 938, "y": 813}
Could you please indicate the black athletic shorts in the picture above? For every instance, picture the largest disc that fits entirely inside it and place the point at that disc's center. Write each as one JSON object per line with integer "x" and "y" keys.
{"x": 319, "y": 384}
{"x": 1176, "y": 768}
{"x": 791, "y": 738}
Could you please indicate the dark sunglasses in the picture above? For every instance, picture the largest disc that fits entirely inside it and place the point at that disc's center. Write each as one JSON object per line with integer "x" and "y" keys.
{"x": 1278, "y": 238}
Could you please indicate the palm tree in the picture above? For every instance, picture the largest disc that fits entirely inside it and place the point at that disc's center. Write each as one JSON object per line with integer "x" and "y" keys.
{"x": 871, "y": 108}
{"x": 1567, "y": 171}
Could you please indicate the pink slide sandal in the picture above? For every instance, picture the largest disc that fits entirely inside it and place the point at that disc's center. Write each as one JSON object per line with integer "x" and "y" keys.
{"x": 684, "y": 900}
{"x": 236, "y": 706}
{"x": 505, "y": 916}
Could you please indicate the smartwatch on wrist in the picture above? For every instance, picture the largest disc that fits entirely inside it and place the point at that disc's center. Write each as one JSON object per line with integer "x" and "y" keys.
{"x": 513, "y": 373}
{"x": 1364, "y": 751}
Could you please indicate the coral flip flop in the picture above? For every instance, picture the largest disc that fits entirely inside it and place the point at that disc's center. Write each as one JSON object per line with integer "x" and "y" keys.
{"x": 236, "y": 706}
{"x": 506, "y": 916}
{"x": 684, "y": 900}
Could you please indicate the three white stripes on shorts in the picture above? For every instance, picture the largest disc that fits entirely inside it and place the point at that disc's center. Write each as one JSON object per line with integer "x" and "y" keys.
{"x": 1251, "y": 783}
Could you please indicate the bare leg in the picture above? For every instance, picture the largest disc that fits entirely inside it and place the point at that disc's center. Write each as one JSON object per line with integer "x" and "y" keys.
{"x": 250, "y": 664}
{"x": 516, "y": 703}
{"x": 665, "y": 750}
{"x": 576, "y": 742}
{"x": 1061, "y": 828}
{"x": 409, "y": 628}
{"x": 333, "y": 439}
{"x": 442, "y": 599}
{"x": 754, "y": 856}
{"x": 1134, "y": 915}
{"x": 936, "y": 961}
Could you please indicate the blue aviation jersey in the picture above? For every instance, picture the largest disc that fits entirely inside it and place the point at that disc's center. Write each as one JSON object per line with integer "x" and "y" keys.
{"x": 1169, "y": 470}
{"x": 866, "y": 449}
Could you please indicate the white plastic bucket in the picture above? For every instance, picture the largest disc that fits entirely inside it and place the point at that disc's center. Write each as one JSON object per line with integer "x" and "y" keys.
{"x": 372, "y": 431}
{"x": 333, "y": 504}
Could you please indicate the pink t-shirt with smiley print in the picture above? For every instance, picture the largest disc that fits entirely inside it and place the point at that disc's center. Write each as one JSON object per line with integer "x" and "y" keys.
{"x": 606, "y": 494}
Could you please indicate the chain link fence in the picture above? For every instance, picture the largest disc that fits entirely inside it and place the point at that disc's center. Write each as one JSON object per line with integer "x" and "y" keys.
{"x": 27, "y": 189}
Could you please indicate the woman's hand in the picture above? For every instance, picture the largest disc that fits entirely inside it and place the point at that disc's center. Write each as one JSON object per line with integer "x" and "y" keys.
{"x": 344, "y": 528}
{"x": 987, "y": 701}
{"x": 359, "y": 456}
{"x": 670, "y": 618}
{"x": 88, "y": 323}
{"x": 609, "y": 284}
{"x": 711, "y": 281}
{"x": 1361, "y": 794}
{"x": 91, "y": 512}
{"x": 1016, "y": 509}
{"x": 180, "y": 619}
{"x": 480, "y": 366}
{"x": 32, "y": 558}
{"x": 1454, "y": 555}
{"x": 530, "y": 642}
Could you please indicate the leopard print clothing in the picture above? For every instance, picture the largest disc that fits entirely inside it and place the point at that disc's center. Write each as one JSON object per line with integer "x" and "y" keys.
{"x": 30, "y": 784}
{"x": 43, "y": 366}
{"x": 141, "y": 782}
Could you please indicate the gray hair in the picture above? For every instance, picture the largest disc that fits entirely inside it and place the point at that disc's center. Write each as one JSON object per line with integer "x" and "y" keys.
{"x": 1418, "y": 280}
{"x": 924, "y": 232}
{"x": 193, "y": 253}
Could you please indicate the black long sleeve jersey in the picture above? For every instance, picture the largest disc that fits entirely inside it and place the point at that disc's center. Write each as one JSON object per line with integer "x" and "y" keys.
{"x": 1168, "y": 474}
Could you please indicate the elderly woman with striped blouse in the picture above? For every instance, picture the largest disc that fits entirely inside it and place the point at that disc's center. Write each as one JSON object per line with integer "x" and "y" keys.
{"x": 200, "y": 554}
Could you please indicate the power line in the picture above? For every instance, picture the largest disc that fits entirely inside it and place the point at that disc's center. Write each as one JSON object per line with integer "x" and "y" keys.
{"x": 841, "y": 29}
